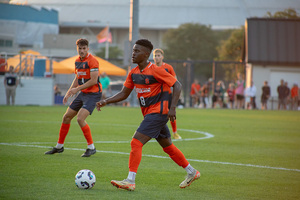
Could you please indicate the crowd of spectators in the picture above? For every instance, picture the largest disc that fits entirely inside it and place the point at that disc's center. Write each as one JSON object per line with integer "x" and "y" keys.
{"x": 238, "y": 96}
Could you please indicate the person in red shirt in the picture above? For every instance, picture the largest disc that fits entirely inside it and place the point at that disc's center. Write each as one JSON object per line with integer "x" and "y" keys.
{"x": 153, "y": 87}
{"x": 158, "y": 56}
{"x": 294, "y": 97}
{"x": 86, "y": 82}
{"x": 231, "y": 95}
{"x": 195, "y": 93}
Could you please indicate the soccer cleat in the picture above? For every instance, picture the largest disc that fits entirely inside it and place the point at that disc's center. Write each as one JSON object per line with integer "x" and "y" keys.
{"x": 125, "y": 184}
{"x": 176, "y": 136}
{"x": 55, "y": 150}
{"x": 88, "y": 152}
{"x": 189, "y": 179}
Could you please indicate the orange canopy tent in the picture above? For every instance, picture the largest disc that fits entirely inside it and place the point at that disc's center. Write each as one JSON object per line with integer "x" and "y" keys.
{"x": 104, "y": 66}
{"x": 28, "y": 58}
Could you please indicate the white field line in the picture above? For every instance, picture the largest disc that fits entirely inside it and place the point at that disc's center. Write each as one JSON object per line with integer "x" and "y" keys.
{"x": 155, "y": 156}
{"x": 207, "y": 136}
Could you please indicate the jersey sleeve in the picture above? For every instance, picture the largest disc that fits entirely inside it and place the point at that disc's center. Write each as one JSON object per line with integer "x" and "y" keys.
{"x": 94, "y": 65}
{"x": 164, "y": 77}
{"x": 172, "y": 71}
{"x": 128, "y": 82}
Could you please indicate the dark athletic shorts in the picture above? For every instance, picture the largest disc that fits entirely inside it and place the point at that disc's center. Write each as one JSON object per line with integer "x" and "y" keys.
{"x": 155, "y": 125}
{"x": 86, "y": 100}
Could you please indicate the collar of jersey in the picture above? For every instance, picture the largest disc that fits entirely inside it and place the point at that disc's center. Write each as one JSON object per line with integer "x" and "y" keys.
{"x": 148, "y": 66}
{"x": 85, "y": 57}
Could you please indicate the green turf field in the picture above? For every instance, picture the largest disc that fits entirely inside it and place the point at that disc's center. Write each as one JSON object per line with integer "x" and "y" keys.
{"x": 241, "y": 154}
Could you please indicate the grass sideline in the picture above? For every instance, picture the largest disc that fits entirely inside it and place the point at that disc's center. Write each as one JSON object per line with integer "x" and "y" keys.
{"x": 253, "y": 155}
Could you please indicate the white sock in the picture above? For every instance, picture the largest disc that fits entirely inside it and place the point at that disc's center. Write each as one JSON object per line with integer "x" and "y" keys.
{"x": 59, "y": 146}
{"x": 91, "y": 146}
{"x": 189, "y": 169}
{"x": 131, "y": 176}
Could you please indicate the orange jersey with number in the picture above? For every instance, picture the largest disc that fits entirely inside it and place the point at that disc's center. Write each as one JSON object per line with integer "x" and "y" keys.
{"x": 153, "y": 88}
{"x": 83, "y": 69}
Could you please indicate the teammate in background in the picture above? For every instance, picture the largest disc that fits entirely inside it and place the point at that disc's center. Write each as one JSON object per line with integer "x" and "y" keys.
{"x": 158, "y": 57}
{"x": 153, "y": 86}
{"x": 86, "y": 82}
{"x": 10, "y": 83}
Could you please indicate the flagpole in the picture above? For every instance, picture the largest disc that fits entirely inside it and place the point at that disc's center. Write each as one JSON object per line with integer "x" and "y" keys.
{"x": 107, "y": 44}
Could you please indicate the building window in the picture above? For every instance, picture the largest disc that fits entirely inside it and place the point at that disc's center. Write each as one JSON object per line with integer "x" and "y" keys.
{"x": 6, "y": 43}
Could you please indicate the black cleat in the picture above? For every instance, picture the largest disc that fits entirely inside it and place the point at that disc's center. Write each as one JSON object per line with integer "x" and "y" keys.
{"x": 55, "y": 150}
{"x": 88, "y": 152}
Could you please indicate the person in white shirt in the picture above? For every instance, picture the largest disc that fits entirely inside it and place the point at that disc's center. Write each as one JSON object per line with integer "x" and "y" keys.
{"x": 250, "y": 94}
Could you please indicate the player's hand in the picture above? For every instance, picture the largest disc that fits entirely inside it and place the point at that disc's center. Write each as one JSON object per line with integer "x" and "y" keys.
{"x": 172, "y": 115}
{"x": 66, "y": 97}
{"x": 100, "y": 104}
{"x": 72, "y": 91}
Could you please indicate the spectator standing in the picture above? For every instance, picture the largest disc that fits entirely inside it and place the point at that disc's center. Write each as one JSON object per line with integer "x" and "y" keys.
{"x": 218, "y": 96}
{"x": 287, "y": 94}
{"x": 10, "y": 83}
{"x": 105, "y": 81}
{"x": 281, "y": 90}
{"x": 294, "y": 97}
{"x": 266, "y": 92}
{"x": 222, "y": 88}
{"x": 57, "y": 91}
{"x": 204, "y": 95}
{"x": 250, "y": 94}
{"x": 253, "y": 95}
{"x": 231, "y": 95}
{"x": 239, "y": 92}
{"x": 195, "y": 93}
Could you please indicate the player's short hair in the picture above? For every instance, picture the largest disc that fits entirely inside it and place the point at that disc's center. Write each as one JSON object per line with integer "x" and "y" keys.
{"x": 158, "y": 51}
{"x": 145, "y": 43}
{"x": 82, "y": 42}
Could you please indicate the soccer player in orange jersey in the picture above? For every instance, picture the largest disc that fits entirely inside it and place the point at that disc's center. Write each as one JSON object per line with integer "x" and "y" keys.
{"x": 86, "y": 82}
{"x": 158, "y": 57}
{"x": 153, "y": 86}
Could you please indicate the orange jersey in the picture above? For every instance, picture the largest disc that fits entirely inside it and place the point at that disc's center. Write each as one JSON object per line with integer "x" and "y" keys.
{"x": 294, "y": 92}
{"x": 168, "y": 68}
{"x": 153, "y": 88}
{"x": 194, "y": 88}
{"x": 83, "y": 68}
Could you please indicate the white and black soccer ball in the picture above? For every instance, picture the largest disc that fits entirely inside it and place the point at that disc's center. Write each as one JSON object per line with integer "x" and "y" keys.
{"x": 85, "y": 179}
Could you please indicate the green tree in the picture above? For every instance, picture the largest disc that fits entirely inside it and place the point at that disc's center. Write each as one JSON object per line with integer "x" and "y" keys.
{"x": 231, "y": 50}
{"x": 289, "y": 13}
{"x": 192, "y": 42}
